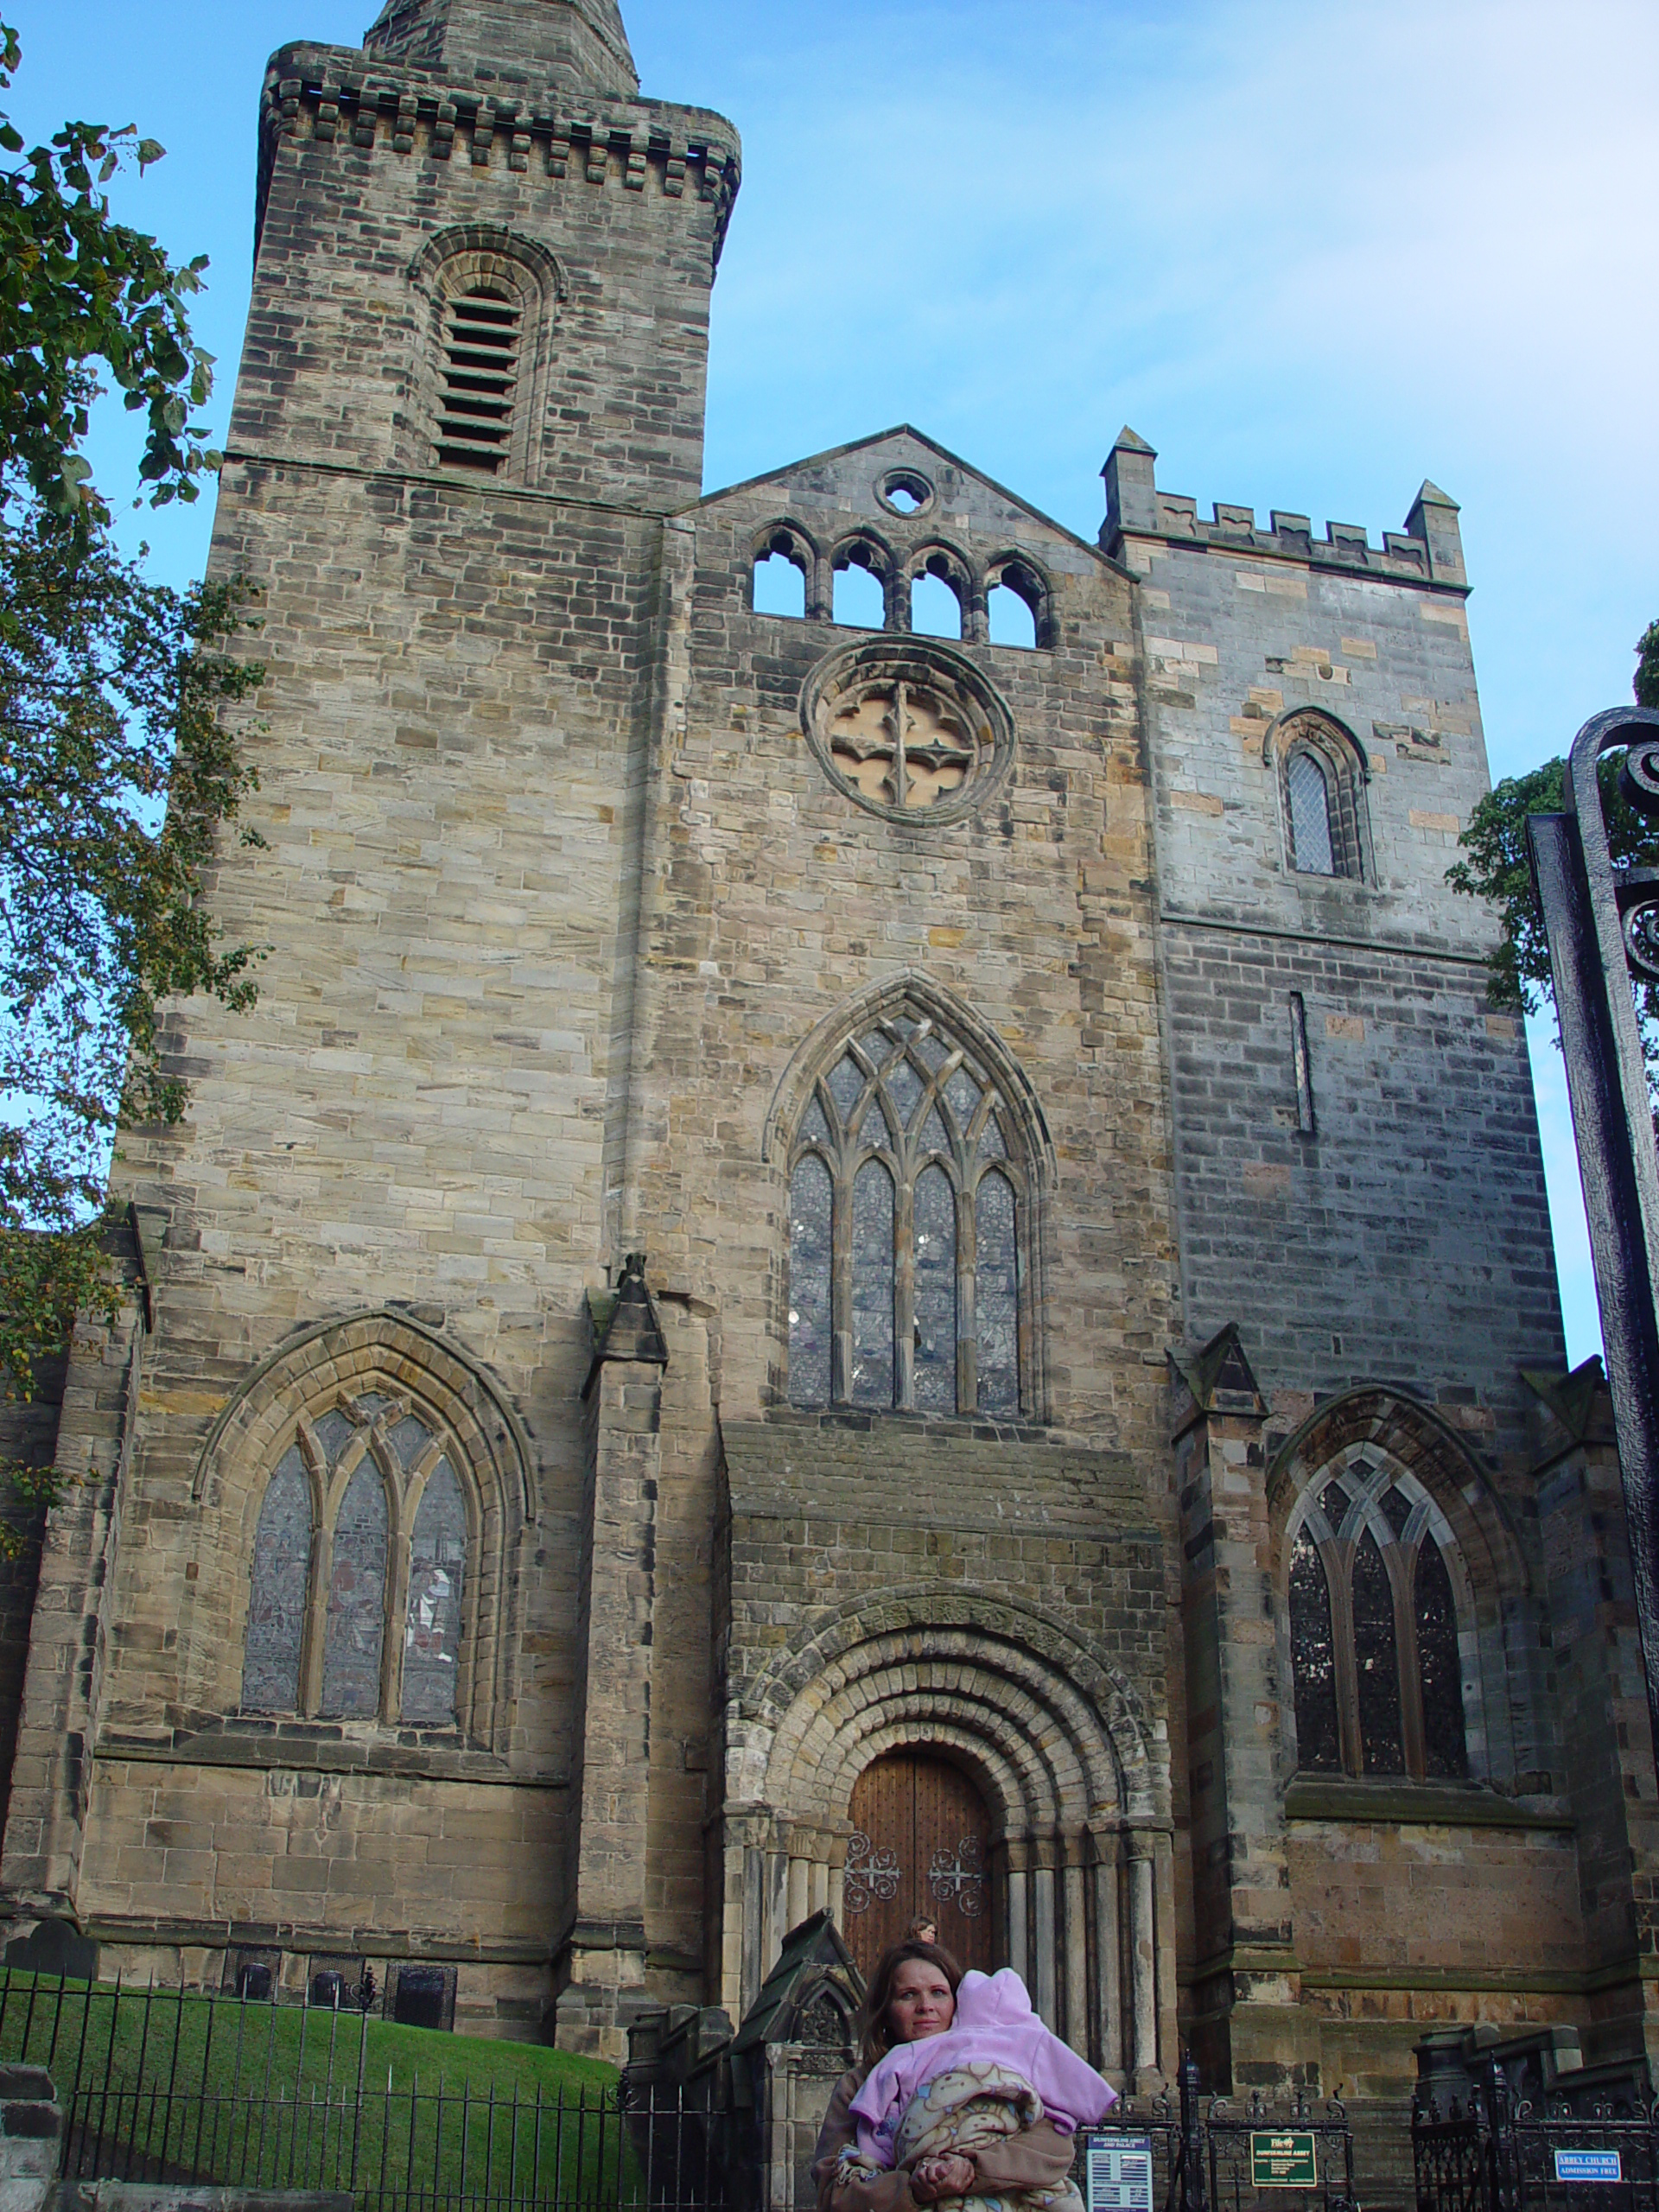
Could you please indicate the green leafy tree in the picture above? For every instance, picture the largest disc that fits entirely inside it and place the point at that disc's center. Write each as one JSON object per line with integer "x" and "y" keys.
{"x": 119, "y": 765}
{"x": 1497, "y": 868}
{"x": 80, "y": 292}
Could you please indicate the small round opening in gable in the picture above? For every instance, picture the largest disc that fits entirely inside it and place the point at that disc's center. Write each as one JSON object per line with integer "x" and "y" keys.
{"x": 905, "y": 492}
{"x": 908, "y": 729}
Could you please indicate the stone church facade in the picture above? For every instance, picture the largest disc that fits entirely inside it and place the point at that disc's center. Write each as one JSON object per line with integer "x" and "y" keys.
{"x": 840, "y": 1267}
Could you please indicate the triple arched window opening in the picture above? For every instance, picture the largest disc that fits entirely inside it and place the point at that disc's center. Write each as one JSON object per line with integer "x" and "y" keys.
{"x": 359, "y": 1589}
{"x": 1376, "y": 1658}
{"x": 909, "y": 1204}
{"x": 936, "y": 592}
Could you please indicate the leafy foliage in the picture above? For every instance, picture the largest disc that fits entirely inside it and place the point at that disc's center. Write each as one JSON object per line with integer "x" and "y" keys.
{"x": 77, "y": 289}
{"x": 116, "y": 769}
{"x": 1498, "y": 867}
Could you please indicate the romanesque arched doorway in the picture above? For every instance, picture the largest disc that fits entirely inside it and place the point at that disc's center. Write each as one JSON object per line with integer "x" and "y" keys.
{"x": 920, "y": 1847}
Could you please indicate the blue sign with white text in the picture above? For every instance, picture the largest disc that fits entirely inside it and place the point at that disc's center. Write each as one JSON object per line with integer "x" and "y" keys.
{"x": 1588, "y": 2165}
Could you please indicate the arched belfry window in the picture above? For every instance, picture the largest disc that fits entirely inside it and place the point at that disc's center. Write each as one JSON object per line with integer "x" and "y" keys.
{"x": 362, "y": 1571}
{"x": 492, "y": 298}
{"x": 1322, "y": 790}
{"x": 1378, "y": 1648}
{"x": 910, "y": 1206}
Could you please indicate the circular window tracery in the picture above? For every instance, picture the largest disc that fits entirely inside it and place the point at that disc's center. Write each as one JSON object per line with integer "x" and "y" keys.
{"x": 905, "y": 492}
{"x": 908, "y": 729}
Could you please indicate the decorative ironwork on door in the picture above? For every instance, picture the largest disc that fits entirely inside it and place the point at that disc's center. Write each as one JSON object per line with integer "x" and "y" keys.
{"x": 920, "y": 1850}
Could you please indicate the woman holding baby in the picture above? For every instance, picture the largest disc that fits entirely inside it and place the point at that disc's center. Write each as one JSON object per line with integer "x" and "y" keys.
{"x": 961, "y": 2093}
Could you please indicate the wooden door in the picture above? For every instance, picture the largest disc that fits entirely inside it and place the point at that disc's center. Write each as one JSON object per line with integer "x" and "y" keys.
{"x": 921, "y": 1848}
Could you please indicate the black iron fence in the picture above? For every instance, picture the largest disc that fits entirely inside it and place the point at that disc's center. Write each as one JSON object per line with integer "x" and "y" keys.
{"x": 167, "y": 2085}
{"x": 1210, "y": 2154}
{"x": 1491, "y": 2151}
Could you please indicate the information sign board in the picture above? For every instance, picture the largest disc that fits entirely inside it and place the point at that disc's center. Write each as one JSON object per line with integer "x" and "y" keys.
{"x": 1284, "y": 2160}
{"x": 1588, "y": 2165}
{"x": 1119, "y": 2173}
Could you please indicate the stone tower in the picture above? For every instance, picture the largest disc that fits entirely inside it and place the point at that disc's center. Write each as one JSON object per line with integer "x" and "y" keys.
{"x": 841, "y": 1268}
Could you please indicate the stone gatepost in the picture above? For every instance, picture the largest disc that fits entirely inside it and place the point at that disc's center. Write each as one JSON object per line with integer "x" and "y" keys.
{"x": 1247, "y": 2028}
{"x": 600, "y": 1968}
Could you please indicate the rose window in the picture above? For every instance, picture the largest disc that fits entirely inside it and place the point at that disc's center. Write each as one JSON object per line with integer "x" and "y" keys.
{"x": 909, "y": 728}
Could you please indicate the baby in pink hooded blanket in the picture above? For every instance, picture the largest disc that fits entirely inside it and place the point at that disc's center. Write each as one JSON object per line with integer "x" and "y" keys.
{"x": 994, "y": 2022}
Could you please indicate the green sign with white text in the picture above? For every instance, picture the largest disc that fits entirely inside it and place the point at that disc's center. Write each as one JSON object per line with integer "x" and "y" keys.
{"x": 1287, "y": 2161}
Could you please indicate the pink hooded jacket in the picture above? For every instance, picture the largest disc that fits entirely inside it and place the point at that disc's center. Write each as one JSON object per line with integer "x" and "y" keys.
{"x": 994, "y": 2021}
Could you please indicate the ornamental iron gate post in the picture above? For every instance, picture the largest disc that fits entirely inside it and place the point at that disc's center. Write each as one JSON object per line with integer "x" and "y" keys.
{"x": 1603, "y": 926}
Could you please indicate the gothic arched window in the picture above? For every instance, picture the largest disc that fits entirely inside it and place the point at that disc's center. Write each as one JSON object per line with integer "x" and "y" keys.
{"x": 394, "y": 1544}
{"x": 1375, "y": 1661}
{"x": 909, "y": 1204}
{"x": 1322, "y": 797}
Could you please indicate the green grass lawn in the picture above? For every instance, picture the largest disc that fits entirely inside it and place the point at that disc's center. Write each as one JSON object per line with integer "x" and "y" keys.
{"x": 277, "y": 2096}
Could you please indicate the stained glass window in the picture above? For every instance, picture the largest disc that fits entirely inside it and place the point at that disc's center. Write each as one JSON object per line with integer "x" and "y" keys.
{"x": 357, "y": 1600}
{"x": 1377, "y": 1661}
{"x": 936, "y": 1293}
{"x": 1308, "y": 785}
{"x": 281, "y": 1570}
{"x": 1394, "y": 1681}
{"x": 1446, "y": 1751}
{"x": 1313, "y": 1664}
{"x": 810, "y": 1200}
{"x": 873, "y": 1274}
{"x": 904, "y": 1154}
{"x": 432, "y": 1622}
{"x": 333, "y": 1431}
{"x": 996, "y": 1297}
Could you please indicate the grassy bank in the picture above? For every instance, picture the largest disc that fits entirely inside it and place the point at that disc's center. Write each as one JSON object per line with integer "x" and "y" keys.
{"x": 280, "y": 2096}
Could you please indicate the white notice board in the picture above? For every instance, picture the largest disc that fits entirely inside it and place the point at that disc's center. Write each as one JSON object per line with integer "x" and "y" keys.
{"x": 1118, "y": 2169}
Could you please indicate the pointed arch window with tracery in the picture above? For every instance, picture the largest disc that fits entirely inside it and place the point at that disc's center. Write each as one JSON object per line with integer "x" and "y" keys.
{"x": 360, "y": 1580}
{"x": 1376, "y": 1649}
{"x": 909, "y": 1203}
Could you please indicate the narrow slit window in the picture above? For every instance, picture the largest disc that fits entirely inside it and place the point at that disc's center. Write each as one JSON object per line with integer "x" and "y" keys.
{"x": 482, "y": 332}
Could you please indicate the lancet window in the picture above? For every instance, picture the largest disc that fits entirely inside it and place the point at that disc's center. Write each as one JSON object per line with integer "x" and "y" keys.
{"x": 909, "y": 1216}
{"x": 359, "y": 1582}
{"x": 1323, "y": 797}
{"x": 1376, "y": 1653}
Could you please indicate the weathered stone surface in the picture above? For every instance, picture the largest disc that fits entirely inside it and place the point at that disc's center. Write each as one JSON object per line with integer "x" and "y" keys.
{"x": 584, "y": 878}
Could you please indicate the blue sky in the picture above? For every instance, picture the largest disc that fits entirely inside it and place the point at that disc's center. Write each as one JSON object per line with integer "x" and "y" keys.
{"x": 1314, "y": 250}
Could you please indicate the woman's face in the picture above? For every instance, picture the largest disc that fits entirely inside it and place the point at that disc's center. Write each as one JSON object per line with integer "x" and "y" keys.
{"x": 921, "y": 2003}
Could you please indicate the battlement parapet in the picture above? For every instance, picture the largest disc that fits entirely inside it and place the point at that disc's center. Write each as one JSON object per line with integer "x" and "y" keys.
{"x": 1428, "y": 550}
{"x": 342, "y": 94}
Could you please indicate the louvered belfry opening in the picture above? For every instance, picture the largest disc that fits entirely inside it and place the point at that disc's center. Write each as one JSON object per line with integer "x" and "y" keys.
{"x": 481, "y": 332}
